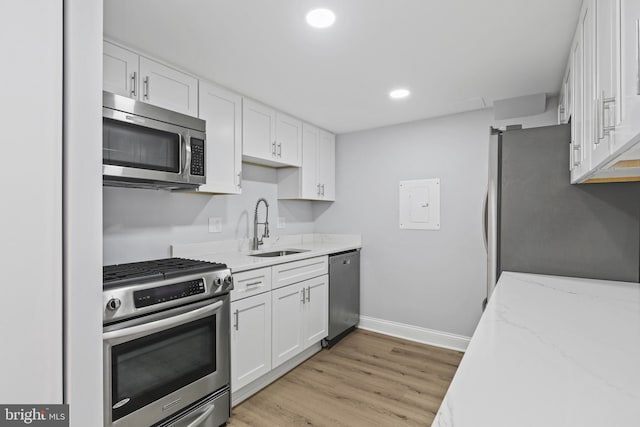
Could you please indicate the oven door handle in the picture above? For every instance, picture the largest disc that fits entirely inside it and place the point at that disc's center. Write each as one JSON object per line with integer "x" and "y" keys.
{"x": 159, "y": 325}
{"x": 198, "y": 422}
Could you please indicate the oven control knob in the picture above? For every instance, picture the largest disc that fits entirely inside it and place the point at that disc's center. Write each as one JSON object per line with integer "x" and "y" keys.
{"x": 228, "y": 280}
{"x": 113, "y": 304}
{"x": 217, "y": 281}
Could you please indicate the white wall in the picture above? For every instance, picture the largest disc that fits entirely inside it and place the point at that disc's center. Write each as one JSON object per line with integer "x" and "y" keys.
{"x": 31, "y": 214}
{"x": 142, "y": 224}
{"x": 429, "y": 279}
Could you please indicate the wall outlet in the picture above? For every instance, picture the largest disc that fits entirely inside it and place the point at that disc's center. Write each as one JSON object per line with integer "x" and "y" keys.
{"x": 282, "y": 223}
{"x": 215, "y": 225}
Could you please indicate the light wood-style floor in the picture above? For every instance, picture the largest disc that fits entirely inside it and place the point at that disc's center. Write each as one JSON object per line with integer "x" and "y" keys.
{"x": 367, "y": 379}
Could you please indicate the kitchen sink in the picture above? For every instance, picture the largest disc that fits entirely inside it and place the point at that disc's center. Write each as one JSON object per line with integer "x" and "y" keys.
{"x": 279, "y": 253}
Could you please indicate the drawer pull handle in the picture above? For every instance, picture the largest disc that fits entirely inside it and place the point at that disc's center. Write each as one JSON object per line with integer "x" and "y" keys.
{"x": 253, "y": 283}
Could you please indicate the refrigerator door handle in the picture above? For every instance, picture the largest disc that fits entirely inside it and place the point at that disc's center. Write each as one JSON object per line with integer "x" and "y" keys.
{"x": 485, "y": 221}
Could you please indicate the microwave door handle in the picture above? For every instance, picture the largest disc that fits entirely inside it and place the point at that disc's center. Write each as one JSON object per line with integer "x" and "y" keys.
{"x": 187, "y": 149}
{"x": 159, "y": 325}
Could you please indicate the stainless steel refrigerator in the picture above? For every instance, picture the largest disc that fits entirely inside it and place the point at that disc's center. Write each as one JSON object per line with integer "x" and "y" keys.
{"x": 537, "y": 222}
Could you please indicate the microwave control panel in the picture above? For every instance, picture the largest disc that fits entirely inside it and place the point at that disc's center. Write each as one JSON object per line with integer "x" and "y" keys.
{"x": 147, "y": 297}
{"x": 197, "y": 157}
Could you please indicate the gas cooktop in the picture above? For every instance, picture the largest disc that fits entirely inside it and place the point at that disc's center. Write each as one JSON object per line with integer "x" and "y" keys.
{"x": 149, "y": 271}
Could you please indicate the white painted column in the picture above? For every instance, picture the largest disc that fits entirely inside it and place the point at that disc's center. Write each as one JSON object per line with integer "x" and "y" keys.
{"x": 83, "y": 210}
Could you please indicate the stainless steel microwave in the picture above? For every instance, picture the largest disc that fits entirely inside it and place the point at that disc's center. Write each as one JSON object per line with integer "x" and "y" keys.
{"x": 145, "y": 146}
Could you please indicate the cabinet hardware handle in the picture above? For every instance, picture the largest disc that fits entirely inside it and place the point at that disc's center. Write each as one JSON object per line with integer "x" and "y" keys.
{"x": 576, "y": 149}
{"x": 308, "y": 293}
{"x": 237, "y": 324}
{"x": 273, "y": 148}
{"x": 240, "y": 179}
{"x": 323, "y": 189}
{"x": 303, "y": 295}
{"x": 606, "y": 105}
{"x": 145, "y": 87}
{"x": 318, "y": 189}
{"x": 253, "y": 283}
{"x": 280, "y": 149}
{"x": 638, "y": 56}
{"x": 134, "y": 79}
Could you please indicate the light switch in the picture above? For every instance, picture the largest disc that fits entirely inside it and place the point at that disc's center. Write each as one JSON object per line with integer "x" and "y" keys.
{"x": 215, "y": 225}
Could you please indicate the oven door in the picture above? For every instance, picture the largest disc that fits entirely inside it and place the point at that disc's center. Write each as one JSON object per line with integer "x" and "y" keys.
{"x": 157, "y": 365}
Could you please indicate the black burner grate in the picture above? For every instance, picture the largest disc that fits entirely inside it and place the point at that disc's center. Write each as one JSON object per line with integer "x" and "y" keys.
{"x": 148, "y": 271}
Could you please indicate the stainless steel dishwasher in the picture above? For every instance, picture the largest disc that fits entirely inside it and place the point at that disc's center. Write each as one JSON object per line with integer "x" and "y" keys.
{"x": 344, "y": 295}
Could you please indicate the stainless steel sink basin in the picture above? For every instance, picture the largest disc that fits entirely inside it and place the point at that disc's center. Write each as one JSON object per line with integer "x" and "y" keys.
{"x": 279, "y": 253}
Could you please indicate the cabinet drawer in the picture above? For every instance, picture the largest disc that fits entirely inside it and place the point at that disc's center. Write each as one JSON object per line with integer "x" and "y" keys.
{"x": 252, "y": 282}
{"x": 297, "y": 271}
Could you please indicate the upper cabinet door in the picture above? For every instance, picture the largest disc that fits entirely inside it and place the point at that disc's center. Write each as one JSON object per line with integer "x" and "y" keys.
{"x": 607, "y": 69}
{"x": 222, "y": 110}
{"x": 288, "y": 139}
{"x": 327, "y": 165}
{"x": 577, "y": 142}
{"x": 120, "y": 71}
{"x": 168, "y": 88}
{"x": 309, "y": 182}
{"x": 588, "y": 79}
{"x": 258, "y": 131}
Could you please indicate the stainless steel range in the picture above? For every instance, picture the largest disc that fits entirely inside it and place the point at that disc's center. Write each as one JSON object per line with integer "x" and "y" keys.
{"x": 166, "y": 340}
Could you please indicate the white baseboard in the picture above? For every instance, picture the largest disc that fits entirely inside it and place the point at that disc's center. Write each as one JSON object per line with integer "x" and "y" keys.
{"x": 415, "y": 333}
{"x": 252, "y": 388}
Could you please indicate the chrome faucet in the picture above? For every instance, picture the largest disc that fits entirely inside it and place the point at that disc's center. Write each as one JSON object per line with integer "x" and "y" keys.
{"x": 255, "y": 244}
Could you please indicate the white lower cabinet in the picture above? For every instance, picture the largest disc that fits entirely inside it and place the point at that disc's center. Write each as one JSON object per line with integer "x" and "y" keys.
{"x": 250, "y": 339}
{"x": 277, "y": 313}
{"x": 300, "y": 317}
{"x": 316, "y": 311}
{"x": 288, "y": 311}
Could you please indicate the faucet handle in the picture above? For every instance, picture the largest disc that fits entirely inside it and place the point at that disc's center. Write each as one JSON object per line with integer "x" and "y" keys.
{"x": 266, "y": 229}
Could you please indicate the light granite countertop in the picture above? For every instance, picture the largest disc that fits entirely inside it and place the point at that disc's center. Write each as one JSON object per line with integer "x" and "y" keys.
{"x": 237, "y": 255}
{"x": 550, "y": 351}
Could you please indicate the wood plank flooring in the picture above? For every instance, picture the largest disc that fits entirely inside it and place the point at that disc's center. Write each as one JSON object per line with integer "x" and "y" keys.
{"x": 367, "y": 379}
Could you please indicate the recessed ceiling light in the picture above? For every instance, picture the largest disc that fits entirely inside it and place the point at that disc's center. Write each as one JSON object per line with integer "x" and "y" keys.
{"x": 321, "y": 18}
{"x": 399, "y": 93}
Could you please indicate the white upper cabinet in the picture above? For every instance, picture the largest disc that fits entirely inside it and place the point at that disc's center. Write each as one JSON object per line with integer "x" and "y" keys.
{"x": 607, "y": 72}
{"x": 577, "y": 146}
{"x": 315, "y": 179}
{"x": 606, "y": 111}
{"x": 564, "y": 100}
{"x": 628, "y": 130}
{"x": 222, "y": 110}
{"x": 258, "y": 131}
{"x": 269, "y": 137}
{"x": 168, "y": 88}
{"x": 327, "y": 165}
{"x": 587, "y": 27}
{"x": 288, "y": 139}
{"x": 120, "y": 70}
{"x": 309, "y": 176}
{"x": 129, "y": 74}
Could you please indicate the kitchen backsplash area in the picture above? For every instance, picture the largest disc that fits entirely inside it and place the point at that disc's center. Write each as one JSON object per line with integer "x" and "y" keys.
{"x": 142, "y": 224}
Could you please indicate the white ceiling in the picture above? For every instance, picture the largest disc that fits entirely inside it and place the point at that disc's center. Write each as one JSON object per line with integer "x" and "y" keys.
{"x": 454, "y": 55}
